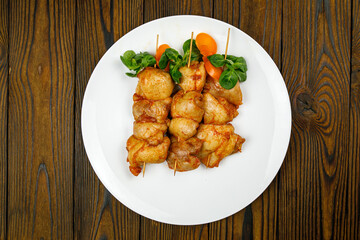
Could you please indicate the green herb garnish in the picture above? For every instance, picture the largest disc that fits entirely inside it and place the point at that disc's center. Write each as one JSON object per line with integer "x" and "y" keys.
{"x": 177, "y": 61}
{"x": 137, "y": 62}
{"x": 195, "y": 52}
{"x": 235, "y": 69}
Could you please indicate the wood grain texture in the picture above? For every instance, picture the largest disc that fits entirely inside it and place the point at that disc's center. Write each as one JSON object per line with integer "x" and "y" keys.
{"x": 41, "y": 123}
{"x": 48, "y": 49}
{"x": 155, "y": 9}
{"x": 353, "y": 202}
{"x": 314, "y": 190}
{"x": 98, "y": 215}
{"x": 3, "y": 113}
{"x": 262, "y": 21}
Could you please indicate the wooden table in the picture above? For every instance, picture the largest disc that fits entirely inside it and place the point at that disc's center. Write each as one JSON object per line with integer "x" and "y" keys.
{"x": 48, "y": 50}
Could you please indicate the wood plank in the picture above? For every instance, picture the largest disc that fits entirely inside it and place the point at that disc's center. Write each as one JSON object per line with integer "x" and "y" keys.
{"x": 41, "y": 83}
{"x": 98, "y": 215}
{"x": 262, "y": 21}
{"x": 3, "y": 113}
{"x": 353, "y": 227}
{"x": 315, "y": 175}
{"x": 154, "y": 9}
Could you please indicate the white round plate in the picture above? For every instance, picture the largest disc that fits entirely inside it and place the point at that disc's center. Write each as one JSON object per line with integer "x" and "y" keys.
{"x": 203, "y": 195}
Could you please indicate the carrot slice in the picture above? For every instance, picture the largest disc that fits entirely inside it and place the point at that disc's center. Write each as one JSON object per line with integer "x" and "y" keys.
{"x": 161, "y": 49}
{"x": 214, "y": 72}
{"x": 206, "y": 44}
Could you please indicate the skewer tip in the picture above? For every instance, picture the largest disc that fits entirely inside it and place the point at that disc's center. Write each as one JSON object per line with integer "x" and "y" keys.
{"x": 157, "y": 46}
{"x": 157, "y": 42}
{"x": 175, "y": 167}
{"x": 227, "y": 43}
{"x": 191, "y": 41}
{"x": 144, "y": 169}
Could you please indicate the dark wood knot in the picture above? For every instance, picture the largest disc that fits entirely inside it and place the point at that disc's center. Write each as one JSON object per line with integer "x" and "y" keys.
{"x": 306, "y": 105}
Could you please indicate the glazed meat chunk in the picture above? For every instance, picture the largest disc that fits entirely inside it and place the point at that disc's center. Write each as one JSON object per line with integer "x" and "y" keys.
{"x": 233, "y": 96}
{"x": 218, "y": 110}
{"x": 154, "y": 84}
{"x": 187, "y": 105}
{"x": 151, "y": 111}
{"x": 219, "y": 141}
{"x": 152, "y": 133}
{"x": 193, "y": 77}
{"x": 183, "y": 128}
{"x": 141, "y": 152}
{"x": 184, "y": 154}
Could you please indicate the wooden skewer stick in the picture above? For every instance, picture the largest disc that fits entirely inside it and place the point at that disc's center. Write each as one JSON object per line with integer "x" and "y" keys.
{"x": 157, "y": 46}
{"x": 157, "y": 41}
{"x": 192, "y": 37}
{"x": 175, "y": 167}
{"x": 207, "y": 165}
{"x": 227, "y": 43}
{"x": 144, "y": 169}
